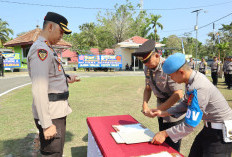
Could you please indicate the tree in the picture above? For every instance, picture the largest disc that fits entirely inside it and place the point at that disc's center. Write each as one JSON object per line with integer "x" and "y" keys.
{"x": 154, "y": 21}
{"x": 222, "y": 47}
{"x": 140, "y": 27}
{"x": 173, "y": 42}
{"x": 118, "y": 22}
{"x": 88, "y": 34}
{"x": 4, "y": 31}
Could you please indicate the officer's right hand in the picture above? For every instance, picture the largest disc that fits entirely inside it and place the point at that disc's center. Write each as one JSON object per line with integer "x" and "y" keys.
{"x": 49, "y": 132}
{"x": 147, "y": 112}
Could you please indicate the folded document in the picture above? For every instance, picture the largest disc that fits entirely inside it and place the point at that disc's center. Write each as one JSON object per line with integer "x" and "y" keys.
{"x": 132, "y": 133}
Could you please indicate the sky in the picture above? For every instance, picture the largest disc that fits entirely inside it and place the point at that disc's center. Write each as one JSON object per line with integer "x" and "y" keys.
{"x": 176, "y": 14}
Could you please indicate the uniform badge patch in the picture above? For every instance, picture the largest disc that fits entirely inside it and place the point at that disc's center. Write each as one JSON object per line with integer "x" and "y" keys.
{"x": 42, "y": 54}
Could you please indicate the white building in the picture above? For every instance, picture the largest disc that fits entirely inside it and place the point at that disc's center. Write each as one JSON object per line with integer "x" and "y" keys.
{"x": 129, "y": 46}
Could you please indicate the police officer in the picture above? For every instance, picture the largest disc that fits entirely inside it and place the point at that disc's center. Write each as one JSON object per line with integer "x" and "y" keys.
{"x": 50, "y": 86}
{"x": 226, "y": 61}
{"x": 2, "y": 64}
{"x": 203, "y": 101}
{"x": 229, "y": 72}
{"x": 166, "y": 90}
{"x": 191, "y": 63}
{"x": 203, "y": 66}
{"x": 215, "y": 67}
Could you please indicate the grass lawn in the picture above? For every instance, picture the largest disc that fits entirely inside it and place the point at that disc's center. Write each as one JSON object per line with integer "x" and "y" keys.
{"x": 96, "y": 96}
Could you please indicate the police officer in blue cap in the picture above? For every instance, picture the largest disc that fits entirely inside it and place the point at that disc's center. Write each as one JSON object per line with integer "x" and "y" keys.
{"x": 202, "y": 101}
{"x": 164, "y": 88}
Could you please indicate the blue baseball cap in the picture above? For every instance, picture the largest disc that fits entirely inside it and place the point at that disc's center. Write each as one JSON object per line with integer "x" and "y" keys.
{"x": 173, "y": 63}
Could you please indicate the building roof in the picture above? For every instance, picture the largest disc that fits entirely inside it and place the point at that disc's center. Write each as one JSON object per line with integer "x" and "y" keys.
{"x": 94, "y": 51}
{"x": 30, "y": 37}
{"x": 108, "y": 52}
{"x": 135, "y": 42}
{"x": 68, "y": 54}
{"x": 72, "y": 55}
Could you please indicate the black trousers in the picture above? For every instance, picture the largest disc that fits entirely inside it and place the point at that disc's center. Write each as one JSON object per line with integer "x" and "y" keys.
{"x": 164, "y": 126}
{"x": 209, "y": 143}
{"x": 203, "y": 72}
{"x": 214, "y": 76}
{"x": 53, "y": 147}
{"x": 226, "y": 78}
{"x": 2, "y": 70}
{"x": 229, "y": 80}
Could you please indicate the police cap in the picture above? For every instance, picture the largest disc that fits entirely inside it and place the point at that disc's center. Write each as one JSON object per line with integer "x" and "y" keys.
{"x": 145, "y": 51}
{"x": 59, "y": 19}
{"x": 173, "y": 63}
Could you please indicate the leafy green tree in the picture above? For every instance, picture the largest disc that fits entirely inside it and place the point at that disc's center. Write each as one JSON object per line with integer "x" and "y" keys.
{"x": 4, "y": 31}
{"x": 154, "y": 22}
{"x": 119, "y": 22}
{"x": 222, "y": 47}
{"x": 141, "y": 27}
{"x": 88, "y": 34}
{"x": 173, "y": 42}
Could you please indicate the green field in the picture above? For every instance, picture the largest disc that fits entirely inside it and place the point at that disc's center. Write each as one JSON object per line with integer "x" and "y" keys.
{"x": 96, "y": 96}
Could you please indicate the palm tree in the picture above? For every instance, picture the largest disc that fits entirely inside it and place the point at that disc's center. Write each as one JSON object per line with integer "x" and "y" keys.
{"x": 154, "y": 19}
{"x": 88, "y": 34}
{"x": 4, "y": 31}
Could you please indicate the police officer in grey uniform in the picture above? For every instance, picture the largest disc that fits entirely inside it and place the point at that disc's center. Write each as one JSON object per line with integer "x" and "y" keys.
{"x": 203, "y": 101}
{"x": 166, "y": 90}
{"x": 2, "y": 64}
{"x": 203, "y": 66}
{"x": 229, "y": 72}
{"x": 226, "y": 61}
{"x": 192, "y": 63}
{"x": 50, "y": 86}
{"x": 215, "y": 68}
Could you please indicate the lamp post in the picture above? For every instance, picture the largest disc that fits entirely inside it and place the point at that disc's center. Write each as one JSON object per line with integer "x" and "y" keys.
{"x": 196, "y": 29}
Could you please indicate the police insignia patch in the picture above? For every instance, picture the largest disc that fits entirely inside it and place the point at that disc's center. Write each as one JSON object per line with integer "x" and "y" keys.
{"x": 42, "y": 54}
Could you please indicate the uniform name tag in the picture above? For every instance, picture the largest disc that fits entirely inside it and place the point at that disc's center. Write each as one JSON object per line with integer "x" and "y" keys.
{"x": 194, "y": 114}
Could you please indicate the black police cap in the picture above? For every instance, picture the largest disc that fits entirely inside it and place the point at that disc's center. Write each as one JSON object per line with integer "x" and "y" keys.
{"x": 145, "y": 50}
{"x": 59, "y": 19}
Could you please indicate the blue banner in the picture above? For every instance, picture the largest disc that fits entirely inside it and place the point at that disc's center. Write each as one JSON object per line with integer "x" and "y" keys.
{"x": 94, "y": 61}
{"x": 12, "y": 60}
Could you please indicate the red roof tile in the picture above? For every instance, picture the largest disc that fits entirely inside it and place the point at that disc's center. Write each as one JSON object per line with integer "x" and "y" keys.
{"x": 95, "y": 51}
{"x": 29, "y": 38}
{"x": 137, "y": 40}
{"x": 67, "y": 53}
{"x": 108, "y": 52}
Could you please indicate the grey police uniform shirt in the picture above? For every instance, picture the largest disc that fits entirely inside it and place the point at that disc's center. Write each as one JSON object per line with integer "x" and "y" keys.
{"x": 164, "y": 83}
{"x": 47, "y": 76}
{"x": 215, "y": 67}
{"x": 203, "y": 66}
{"x": 225, "y": 66}
{"x": 229, "y": 68}
{"x": 191, "y": 64}
{"x": 211, "y": 102}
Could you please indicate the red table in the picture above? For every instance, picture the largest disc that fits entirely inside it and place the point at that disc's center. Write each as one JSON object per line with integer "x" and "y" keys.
{"x": 100, "y": 128}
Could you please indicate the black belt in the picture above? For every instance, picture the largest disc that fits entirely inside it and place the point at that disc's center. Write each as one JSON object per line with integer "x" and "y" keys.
{"x": 58, "y": 96}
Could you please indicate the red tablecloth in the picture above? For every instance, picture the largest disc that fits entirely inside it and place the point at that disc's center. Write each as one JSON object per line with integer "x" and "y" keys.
{"x": 101, "y": 128}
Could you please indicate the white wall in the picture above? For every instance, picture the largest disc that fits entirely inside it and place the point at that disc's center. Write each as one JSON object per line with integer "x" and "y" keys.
{"x": 126, "y": 55}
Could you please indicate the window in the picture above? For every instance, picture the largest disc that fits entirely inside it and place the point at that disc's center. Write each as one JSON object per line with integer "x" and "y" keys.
{"x": 25, "y": 51}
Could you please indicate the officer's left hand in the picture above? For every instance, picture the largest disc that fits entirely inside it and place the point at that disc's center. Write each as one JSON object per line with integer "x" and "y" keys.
{"x": 73, "y": 78}
{"x": 159, "y": 137}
